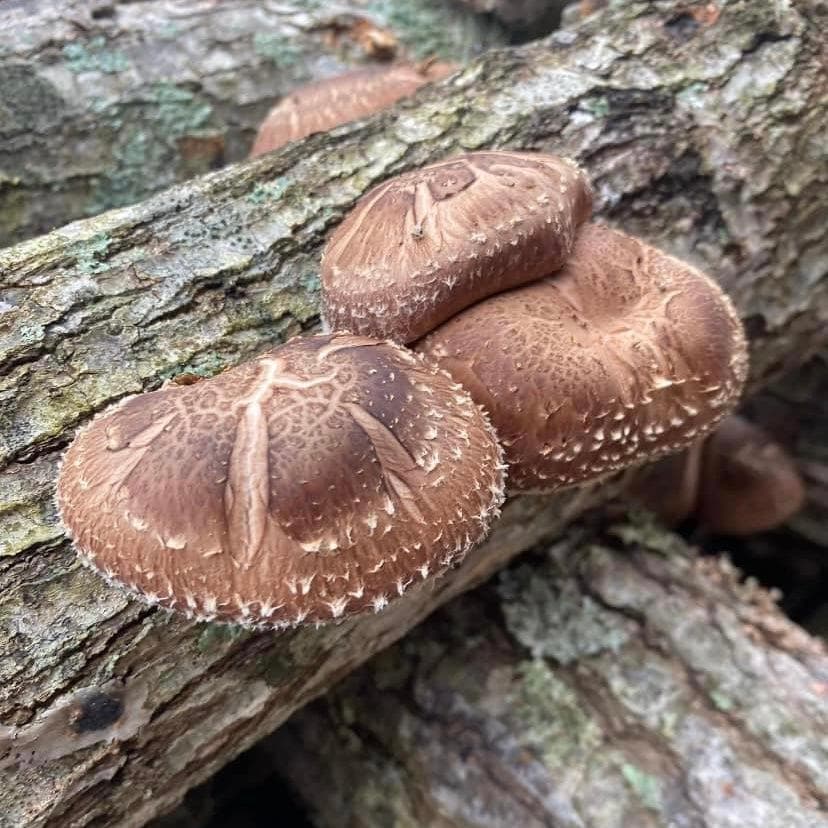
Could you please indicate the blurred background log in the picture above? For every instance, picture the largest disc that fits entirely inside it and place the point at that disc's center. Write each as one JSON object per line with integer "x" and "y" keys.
{"x": 702, "y": 134}
{"x": 104, "y": 102}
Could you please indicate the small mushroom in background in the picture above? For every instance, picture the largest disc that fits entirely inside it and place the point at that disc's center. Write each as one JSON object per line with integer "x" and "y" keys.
{"x": 625, "y": 355}
{"x": 748, "y": 482}
{"x": 325, "y": 104}
{"x": 738, "y": 481}
{"x": 423, "y": 246}
{"x": 317, "y": 481}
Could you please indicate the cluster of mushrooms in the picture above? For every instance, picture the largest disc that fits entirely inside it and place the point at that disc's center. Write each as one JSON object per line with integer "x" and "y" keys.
{"x": 327, "y": 476}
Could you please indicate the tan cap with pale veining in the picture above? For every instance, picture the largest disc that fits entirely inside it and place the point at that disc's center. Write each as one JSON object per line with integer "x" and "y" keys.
{"x": 317, "y": 481}
{"x": 425, "y": 245}
{"x": 625, "y": 355}
{"x": 325, "y": 104}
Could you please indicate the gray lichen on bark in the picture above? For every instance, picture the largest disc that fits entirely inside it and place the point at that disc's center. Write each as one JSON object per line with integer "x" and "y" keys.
{"x": 600, "y": 683}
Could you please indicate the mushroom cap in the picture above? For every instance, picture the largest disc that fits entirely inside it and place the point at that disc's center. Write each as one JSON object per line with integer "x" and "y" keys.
{"x": 327, "y": 103}
{"x": 748, "y": 483}
{"x": 624, "y": 355}
{"x": 425, "y": 245}
{"x": 317, "y": 481}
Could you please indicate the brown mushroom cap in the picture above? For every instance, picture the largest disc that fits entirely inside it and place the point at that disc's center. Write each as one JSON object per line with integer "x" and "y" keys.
{"x": 317, "y": 481}
{"x": 623, "y": 356}
{"x": 748, "y": 482}
{"x": 423, "y": 246}
{"x": 325, "y": 104}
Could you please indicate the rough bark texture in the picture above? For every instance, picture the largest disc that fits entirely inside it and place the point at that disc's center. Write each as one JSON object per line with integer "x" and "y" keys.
{"x": 703, "y": 137}
{"x": 104, "y": 102}
{"x": 610, "y": 681}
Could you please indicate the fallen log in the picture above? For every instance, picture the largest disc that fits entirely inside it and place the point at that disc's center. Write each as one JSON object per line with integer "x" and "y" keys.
{"x": 614, "y": 679}
{"x": 104, "y": 102}
{"x": 111, "y": 711}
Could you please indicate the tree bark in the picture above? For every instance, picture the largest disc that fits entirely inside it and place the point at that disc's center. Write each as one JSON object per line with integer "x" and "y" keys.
{"x": 612, "y": 680}
{"x": 104, "y": 102}
{"x": 112, "y": 710}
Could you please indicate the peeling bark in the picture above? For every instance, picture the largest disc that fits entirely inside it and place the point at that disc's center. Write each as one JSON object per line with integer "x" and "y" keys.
{"x": 704, "y": 139}
{"x": 104, "y": 102}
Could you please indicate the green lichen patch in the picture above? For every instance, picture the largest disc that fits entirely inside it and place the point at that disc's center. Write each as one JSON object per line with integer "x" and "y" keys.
{"x": 597, "y": 105}
{"x": 145, "y": 149}
{"x": 642, "y": 528}
{"x": 554, "y": 724}
{"x": 722, "y": 701}
{"x": 311, "y": 283}
{"x": 169, "y": 30}
{"x": 90, "y": 255}
{"x": 263, "y": 192}
{"x": 93, "y": 56}
{"x": 281, "y": 51}
{"x": 426, "y": 29}
{"x": 645, "y": 786}
{"x": 179, "y": 111}
{"x": 537, "y": 600}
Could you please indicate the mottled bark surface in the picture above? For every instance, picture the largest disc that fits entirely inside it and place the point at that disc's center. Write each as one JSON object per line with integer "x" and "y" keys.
{"x": 703, "y": 137}
{"x": 610, "y": 681}
{"x": 104, "y": 102}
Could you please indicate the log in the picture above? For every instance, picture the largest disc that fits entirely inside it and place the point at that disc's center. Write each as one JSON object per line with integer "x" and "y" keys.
{"x": 379, "y": 737}
{"x": 111, "y": 710}
{"x": 104, "y": 102}
{"x": 614, "y": 679}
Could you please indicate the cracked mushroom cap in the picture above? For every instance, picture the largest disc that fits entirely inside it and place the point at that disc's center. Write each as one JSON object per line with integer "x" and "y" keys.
{"x": 325, "y": 104}
{"x": 625, "y": 355}
{"x": 423, "y": 246}
{"x": 748, "y": 482}
{"x": 317, "y": 481}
